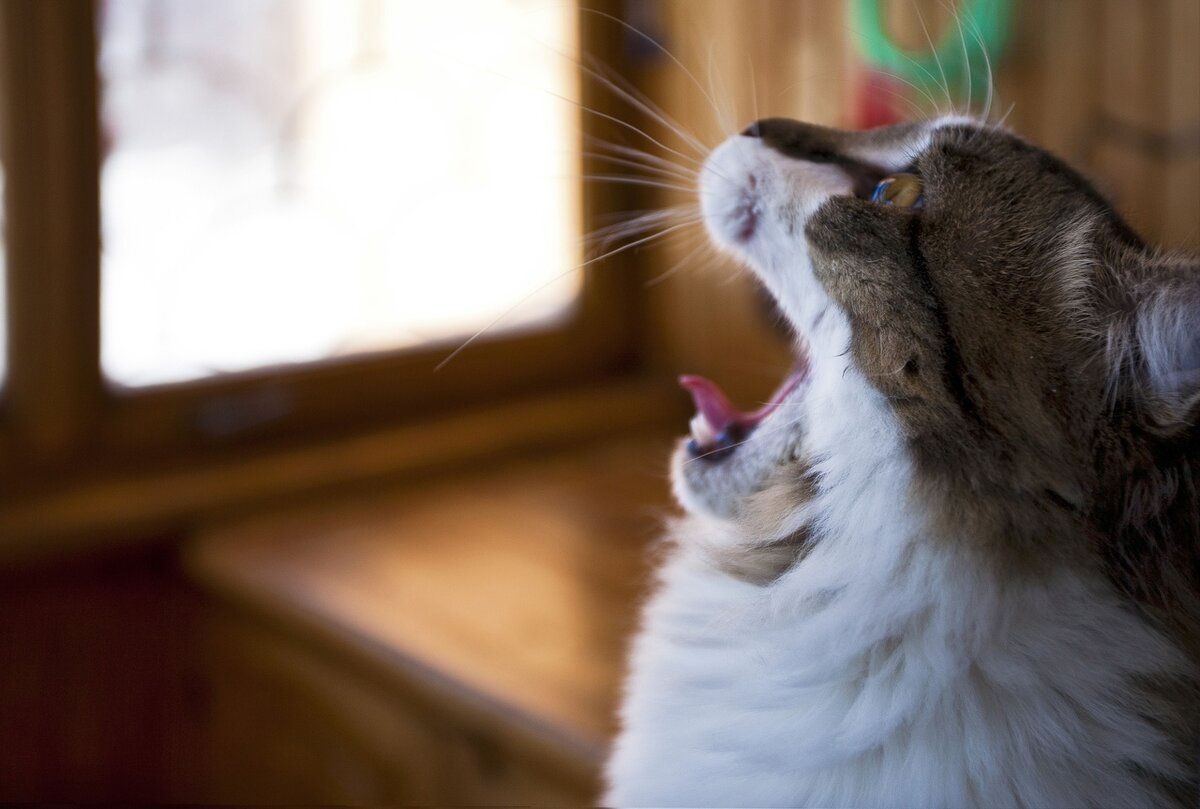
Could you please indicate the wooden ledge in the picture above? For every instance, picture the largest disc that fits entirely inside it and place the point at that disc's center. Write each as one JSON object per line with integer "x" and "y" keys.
{"x": 503, "y": 598}
{"x": 112, "y": 508}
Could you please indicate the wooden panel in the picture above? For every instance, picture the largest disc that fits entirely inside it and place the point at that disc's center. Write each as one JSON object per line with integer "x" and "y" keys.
{"x": 1067, "y": 74}
{"x": 1181, "y": 203}
{"x": 493, "y": 608}
{"x": 1127, "y": 105}
{"x": 81, "y": 513}
{"x": 1023, "y": 65}
{"x": 102, "y": 689}
{"x": 291, "y": 726}
{"x": 824, "y": 64}
{"x": 49, "y": 138}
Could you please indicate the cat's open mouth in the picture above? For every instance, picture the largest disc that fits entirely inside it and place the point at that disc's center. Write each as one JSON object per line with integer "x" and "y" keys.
{"x": 719, "y": 427}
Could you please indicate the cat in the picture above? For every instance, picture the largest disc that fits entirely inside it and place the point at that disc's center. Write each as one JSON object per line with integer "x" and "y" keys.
{"x": 956, "y": 560}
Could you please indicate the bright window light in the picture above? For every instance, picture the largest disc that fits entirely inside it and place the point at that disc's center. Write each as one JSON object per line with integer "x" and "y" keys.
{"x": 291, "y": 180}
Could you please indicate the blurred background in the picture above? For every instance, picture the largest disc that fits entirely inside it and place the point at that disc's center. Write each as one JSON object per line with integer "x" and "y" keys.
{"x": 339, "y": 345}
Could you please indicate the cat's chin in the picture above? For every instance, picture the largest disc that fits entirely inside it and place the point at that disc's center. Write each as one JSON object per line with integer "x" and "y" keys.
{"x": 732, "y": 454}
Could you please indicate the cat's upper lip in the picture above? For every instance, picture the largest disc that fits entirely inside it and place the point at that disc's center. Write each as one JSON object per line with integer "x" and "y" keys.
{"x": 731, "y": 193}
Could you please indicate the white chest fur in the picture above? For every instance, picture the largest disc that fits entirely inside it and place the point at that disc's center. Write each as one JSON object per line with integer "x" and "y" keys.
{"x": 884, "y": 670}
{"x": 938, "y": 687}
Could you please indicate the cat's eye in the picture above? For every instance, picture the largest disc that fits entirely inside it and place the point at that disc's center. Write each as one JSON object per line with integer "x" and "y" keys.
{"x": 901, "y": 190}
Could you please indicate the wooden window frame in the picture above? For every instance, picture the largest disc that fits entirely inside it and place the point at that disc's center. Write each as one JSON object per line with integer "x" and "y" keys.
{"x": 62, "y": 427}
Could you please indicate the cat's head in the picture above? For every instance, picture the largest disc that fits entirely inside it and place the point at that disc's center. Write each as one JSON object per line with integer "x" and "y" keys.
{"x": 968, "y": 295}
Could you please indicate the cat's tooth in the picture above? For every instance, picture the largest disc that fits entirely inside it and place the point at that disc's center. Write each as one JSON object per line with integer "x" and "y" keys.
{"x": 702, "y": 431}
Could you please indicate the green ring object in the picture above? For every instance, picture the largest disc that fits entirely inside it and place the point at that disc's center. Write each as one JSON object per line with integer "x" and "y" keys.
{"x": 976, "y": 38}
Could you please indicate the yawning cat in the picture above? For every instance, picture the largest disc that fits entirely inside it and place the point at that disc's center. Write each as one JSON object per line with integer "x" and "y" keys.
{"x": 956, "y": 561}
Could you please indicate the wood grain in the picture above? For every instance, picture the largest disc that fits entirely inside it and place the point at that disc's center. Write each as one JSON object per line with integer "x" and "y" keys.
{"x": 1181, "y": 203}
{"x": 102, "y": 689}
{"x": 500, "y": 601}
{"x": 52, "y": 228}
{"x": 1066, "y": 75}
{"x": 83, "y": 513}
{"x": 293, "y": 725}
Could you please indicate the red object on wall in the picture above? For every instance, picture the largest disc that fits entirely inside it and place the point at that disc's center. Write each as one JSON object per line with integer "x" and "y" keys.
{"x": 878, "y": 101}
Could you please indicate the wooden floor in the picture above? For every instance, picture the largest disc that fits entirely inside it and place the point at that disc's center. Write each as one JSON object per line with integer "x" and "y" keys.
{"x": 487, "y": 611}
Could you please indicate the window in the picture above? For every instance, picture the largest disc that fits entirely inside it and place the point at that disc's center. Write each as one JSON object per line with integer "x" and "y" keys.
{"x": 220, "y": 238}
{"x": 368, "y": 172}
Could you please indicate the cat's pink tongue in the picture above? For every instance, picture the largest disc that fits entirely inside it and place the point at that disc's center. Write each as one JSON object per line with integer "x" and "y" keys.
{"x": 711, "y": 402}
{"x": 715, "y": 406}
{"x": 716, "y": 414}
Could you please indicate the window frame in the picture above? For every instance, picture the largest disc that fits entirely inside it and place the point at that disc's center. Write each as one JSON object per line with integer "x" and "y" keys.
{"x": 60, "y": 421}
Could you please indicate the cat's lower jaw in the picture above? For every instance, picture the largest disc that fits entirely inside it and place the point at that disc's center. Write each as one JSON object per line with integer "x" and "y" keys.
{"x": 718, "y": 468}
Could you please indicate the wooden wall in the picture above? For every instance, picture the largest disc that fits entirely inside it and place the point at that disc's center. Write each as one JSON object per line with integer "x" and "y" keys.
{"x": 103, "y": 691}
{"x": 1111, "y": 85}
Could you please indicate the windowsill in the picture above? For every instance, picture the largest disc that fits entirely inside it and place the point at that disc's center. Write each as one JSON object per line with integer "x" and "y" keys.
{"x": 503, "y": 597}
{"x": 74, "y": 514}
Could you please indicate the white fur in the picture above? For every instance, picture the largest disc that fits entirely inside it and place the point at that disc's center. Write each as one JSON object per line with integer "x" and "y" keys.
{"x": 1170, "y": 339}
{"x": 887, "y": 668}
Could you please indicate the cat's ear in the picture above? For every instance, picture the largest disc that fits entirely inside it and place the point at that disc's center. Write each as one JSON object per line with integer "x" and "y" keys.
{"x": 1167, "y": 340}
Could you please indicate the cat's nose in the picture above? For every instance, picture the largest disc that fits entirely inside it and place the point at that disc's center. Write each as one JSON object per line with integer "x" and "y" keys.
{"x": 754, "y": 130}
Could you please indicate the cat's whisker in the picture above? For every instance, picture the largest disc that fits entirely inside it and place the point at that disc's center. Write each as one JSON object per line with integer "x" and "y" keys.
{"x": 657, "y": 45}
{"x": 592, "y": 111}
{"x": 666, "y": 212}
{"x": 753, "y": 88}
{"x": 924, "y": 91}
{"x": 605, "y": 236}
{"x": 722, "y": 448}
{"x": 918, "y": 113}
{"x": 987, "y": 60}
{"x": 630, "y": 245}
{"x": 508, "y": 311}
{"x": 614, "y": 119}
{"x": 1007, "y": 113}
{"x": 962, "y": 40}
{"x": 631, "y": 180}
{"x": 934, "y": 105}
{"x": 628, "y": 93}
{"x": 630, "y": 127}
{"x": 636, "y": 221}
{"x": 647, "y": 173}
{"x": 682, "y": 175}
{"x": 937, "y": 60}
{"x": 640, "y": 154}
{"x": 724, "y": 120}
{"x": 677, "y": 266}
{"x": 640, "y": 101}
{"x": 736, "y": 124}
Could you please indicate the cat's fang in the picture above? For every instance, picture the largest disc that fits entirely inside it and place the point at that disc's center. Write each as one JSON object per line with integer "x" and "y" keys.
{"x": 702, "y": 431}
{"x": 710, "y": 401}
